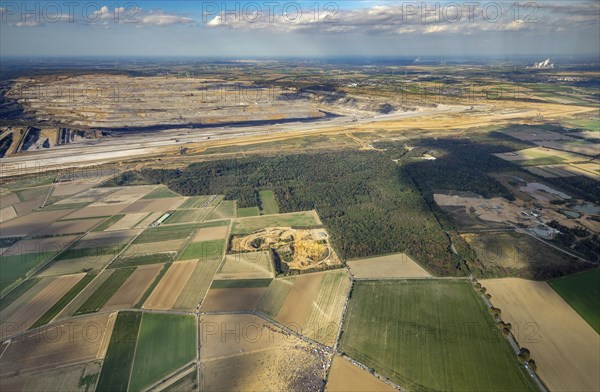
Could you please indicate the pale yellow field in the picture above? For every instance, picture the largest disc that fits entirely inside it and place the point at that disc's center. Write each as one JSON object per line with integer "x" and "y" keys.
{"x": 211, "y": 233}
{"x": 127, "y": 222}
{"x": 168, "y": 289}
{"x": 347, "y": 377}
{"x": 397, "y": 265}
{"x": 251, "y": 265}
{"x": 565, "y": 348}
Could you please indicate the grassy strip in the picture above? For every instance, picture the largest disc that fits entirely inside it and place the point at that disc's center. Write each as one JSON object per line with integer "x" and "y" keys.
{"x": 105, "y": 291}
{"x": 68, "y": 297}
{"x": 17, "y": 292}
{"x": 151, "y": 288}
{"x": 202, "y": 250}
{"x": 240, "y": 283}
{"x": 109, "y": 222}
{"x": 119, "y": 356}
{"x": 268, "y": 203}
{"x": 248, "y": 211}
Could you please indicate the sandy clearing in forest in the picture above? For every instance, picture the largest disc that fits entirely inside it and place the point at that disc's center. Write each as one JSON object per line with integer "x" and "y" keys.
{"x": 166, "y": 292}
{"x": 565, "y": 348}
{"x": 133, "y": 288}
{"x": 232, "y": 299}
{"x": 35, "y": 308}
{"x": 398, "y": 265}
{"x": 298, "y": 303}
{"x": 347, "y": 377}
{"x": 211, "y": 233}
{"x": 68, "y": 342}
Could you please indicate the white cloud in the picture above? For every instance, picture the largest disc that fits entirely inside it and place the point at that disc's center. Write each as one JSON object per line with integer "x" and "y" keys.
{"x": 165, "y": 20}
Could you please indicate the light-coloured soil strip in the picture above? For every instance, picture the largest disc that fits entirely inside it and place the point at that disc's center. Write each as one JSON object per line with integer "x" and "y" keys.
{"x": 168, "y": 289}
{"x": 133, "y": 288}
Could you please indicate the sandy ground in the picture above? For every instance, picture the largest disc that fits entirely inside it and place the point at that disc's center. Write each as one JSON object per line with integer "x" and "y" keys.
{"x": 30, "y": 312}
{"x": 69, "y": 342}
{"x": 565, "y": 348}
{"x": 166, "y": 292}
{"x": 398, "y": 265}
{"x": 246, "y": 353}
{"x": 238, "y": 299}
{"x": 211, "y": 233}
{"x": 346, "y": 377}
{"x": 127, "y": 222}
{"x": 133, "y": 288}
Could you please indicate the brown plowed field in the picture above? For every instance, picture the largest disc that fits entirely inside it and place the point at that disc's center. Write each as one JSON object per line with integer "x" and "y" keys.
{"x": 30, "y": 312}
{"x": 234, "y": 299}
{"x": 166, "y": 292}
{"x": 133, "y": 288}
{"x": 347, "y": 377}
{"x": 73, "y": 341}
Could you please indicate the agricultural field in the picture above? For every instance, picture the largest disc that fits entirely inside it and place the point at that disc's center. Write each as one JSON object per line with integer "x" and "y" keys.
{"x": 582, "y": 292}
{"x": 70, "y": 344}
{"x": 313, "y": 303}
{"x": 196, "y": 202}
{"x": 241, "y": 297}
{"x": 347, "y": 377}
{"x": 536, "y": 156}
{"x": 15, "y": 268}
{"x": 225, "y": 210}
{"x": 211, "y": 233}
{"x": 188, "y": 216}
{"x": 29, "y": 312}
{"x": 202, "y": 250}
{"x": 133, "y": 288}
{"x": 250, "y": 265}
{"x": 197, "y": 285}
{"x": 76, "y": 378}
{"x": 268, "y": 203}
{"x": 120, "y": 353}
{"x": 165, "y": 343}
{"x": 414, "y": 332}
{"x": 292, "y": 219}
{"x": 247, "y": 212}
{"x": 564, "y": 347}
{"x": 170, "y": 286}
{"x": 258, "y": 356}
{"x": 160, "y": 193}
{"x": 398, "y": 265}
{"x": 105, "y": 291}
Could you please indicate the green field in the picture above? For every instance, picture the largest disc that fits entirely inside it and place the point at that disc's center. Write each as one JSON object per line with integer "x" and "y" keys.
{"x": 31, "y": 181}
{"x": 166, "y": 342}
{"x": 275, "y": 296}
{"x": 226, "y": 209}
{"x": 15, "y": 267}
{"x": 105, "y": 291}
{"x": 165, "y": 233}
{"x": 248, "y": 211}
{"x": 32, "y": 193}
{"x": 294, "y": 219}
{"x": 430, "y": 335}
{"x": 61, "y": 303}
{"x": 202, "y": 250}
{"x": 95, "y": 251}
{"x": 240, "y": 283}
{"x": 119, "y": 356}
{"x": 195, "y": 202}
{"x": 187, "y": 216}
{"x": 160, "y": 193}
{"x": 268, "y": 203}
{"x": 151, "y": 258}
{"x": 582, "y": 292}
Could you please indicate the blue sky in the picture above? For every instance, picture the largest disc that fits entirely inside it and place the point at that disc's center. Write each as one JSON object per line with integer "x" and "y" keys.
{"x": 315, "y": 28}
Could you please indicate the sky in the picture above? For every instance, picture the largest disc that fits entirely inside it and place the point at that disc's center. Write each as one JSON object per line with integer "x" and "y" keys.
{"x": 313, "y": 29}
